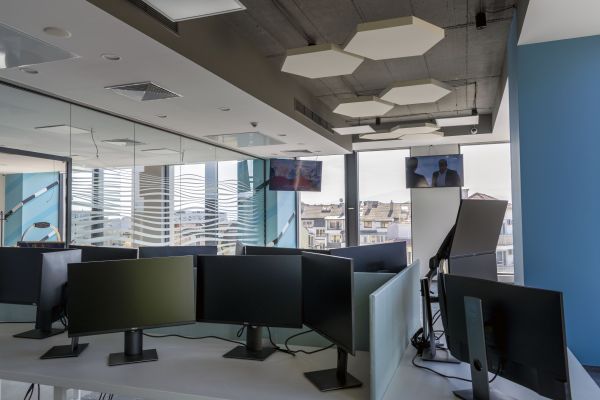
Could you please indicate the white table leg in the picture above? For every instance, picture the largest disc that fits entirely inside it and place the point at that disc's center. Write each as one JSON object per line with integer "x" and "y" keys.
{"x": 60, "y": 393}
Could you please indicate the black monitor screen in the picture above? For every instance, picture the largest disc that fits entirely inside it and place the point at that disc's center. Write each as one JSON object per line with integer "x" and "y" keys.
{"x": 20, "y": 274}
{"x": 113, "y": 296}
{"x": 277, "y": 251}
{"x": 295, "y": 175}
{"x": 327, "y": 288}
{"x": 96, "y": 253}
{"x": 434, "y": 171}
{"x": 386, "y": 257}
{"x": 254, "y": 290}
{"x": 524, "y": 331}
{"x": 172, "y": 251}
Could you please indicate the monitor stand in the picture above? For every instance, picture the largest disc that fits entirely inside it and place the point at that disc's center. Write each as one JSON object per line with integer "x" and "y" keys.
{"x": 72, "y": 350}
{"x": 336, "y": 378}
{"x": 431, "y": 353}
{"x": 477, "y": 356}
{"x": 253, "y": 350}
{"x": 39, "y": 333}
{"x": 134, "y": 351}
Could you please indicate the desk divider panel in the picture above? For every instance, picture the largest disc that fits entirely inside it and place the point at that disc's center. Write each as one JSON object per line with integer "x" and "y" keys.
{"x": 395, "y": 317}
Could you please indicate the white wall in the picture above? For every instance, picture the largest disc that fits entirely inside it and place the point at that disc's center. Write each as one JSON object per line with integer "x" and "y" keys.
{"x": 433, "y": 211}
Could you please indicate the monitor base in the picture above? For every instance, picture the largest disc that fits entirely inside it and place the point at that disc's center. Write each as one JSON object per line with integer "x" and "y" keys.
{"x": 439, "y": 355}
{"x": 243, "y": 353}
{"x": 469, "y": 395}
{"x": 39, "y": 334}
{"x": 327, "y": 380}
{"x": 115, "y": 359}
{"x": 66, "y": 351}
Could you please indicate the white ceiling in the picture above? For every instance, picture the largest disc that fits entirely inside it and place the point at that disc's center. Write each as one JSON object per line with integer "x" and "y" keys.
{"x": 196, "y": 114}
{"x": 548, "y": 20}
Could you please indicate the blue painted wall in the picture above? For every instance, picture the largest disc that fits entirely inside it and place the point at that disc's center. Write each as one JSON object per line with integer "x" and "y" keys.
{"x": 44, "y": 208}
{"x": 557, "y": 142}
{"x": 281, "y": 208}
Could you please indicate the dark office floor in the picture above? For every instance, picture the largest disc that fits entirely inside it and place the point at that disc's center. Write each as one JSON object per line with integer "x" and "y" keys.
{"x": 594, "y": 373}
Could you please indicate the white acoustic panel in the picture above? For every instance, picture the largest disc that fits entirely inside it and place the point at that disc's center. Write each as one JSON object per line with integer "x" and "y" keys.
{"x": 394, "y": 38}
{"x": 363, "y": 106}
{"x": 320, "y": 61}
{"x": 395, "y": 317}
{"x": 181, "y": 10}
{"x": 416, "y": 92}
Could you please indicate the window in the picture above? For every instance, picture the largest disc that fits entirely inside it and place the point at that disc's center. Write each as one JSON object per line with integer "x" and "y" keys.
{"x": 325, "y": 209}
{"x": 385, "y": 209}
{"x": 487, "y": 176}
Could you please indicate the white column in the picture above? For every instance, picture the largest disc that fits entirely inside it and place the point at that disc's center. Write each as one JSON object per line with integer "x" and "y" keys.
{"x": 60, "y": 393}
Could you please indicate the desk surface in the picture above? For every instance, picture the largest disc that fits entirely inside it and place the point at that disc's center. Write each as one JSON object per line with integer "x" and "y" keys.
{"x": 414, "y": 383}
{"x": 186, "y": 369}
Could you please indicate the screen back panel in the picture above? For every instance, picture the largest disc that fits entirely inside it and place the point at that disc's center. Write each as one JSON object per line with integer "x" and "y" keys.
{"x": 386, "y": 257}
{"x": 478, "y": 227}
{"x": 482, "y": 266}
{"x": 254, "y": 290}
{"x": 94, "y": 253}
{"x": 20, "y": 274}
{"x": 174, "y": 251}
{"x": 113, "y": 296}
{"x": 328, "y": 287}
{"x": 525, "y": 335}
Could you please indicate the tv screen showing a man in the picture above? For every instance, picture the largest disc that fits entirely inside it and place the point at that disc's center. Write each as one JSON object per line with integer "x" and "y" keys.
{"x": 434, "y": 171}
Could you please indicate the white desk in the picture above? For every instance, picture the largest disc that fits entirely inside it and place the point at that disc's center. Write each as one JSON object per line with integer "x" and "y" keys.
{"x": 413, "y": 383}
{"x": 186, "y": 370}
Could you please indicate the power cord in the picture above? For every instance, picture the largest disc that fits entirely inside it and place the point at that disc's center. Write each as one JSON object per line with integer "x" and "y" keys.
{"x": 31, "y": 391}
{"x": 193, "y": 338}
{"x": 286, "y": 351}
{"x": 450, "y": 376}
{"x": 304, "y": 351}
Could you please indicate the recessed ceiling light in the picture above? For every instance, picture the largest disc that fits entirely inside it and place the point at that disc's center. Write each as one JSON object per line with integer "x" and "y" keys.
{"x": 63, "y": 129}
{"x": 394, "y": 38}
{"x": 354, "y": 130}
{"x": 29, "y": 70}
{"x": 363, "y": 106}
{"x": 110, "y": 57}
{"x": 224, "y": 108}
{"x": 57, "y": 32}
{"x": 123, "y": 142}
{"x": 320, "y": 61}
{"x": 161, "y": 151}
{"x": 180, "y": 10}
{"x": 416, "y": 92}
{"x": 458, "y": 121}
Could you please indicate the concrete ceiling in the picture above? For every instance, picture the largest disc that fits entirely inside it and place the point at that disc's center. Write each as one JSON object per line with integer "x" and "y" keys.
{"x": 557, "y": 20}
{"x": 16, "y": 164}
{"x": 466, "y": 59}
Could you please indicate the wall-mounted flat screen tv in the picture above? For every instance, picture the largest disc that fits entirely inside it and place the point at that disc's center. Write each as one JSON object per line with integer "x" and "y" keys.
{"x": 295, "y": 175}
{"x": 434, "y": 171}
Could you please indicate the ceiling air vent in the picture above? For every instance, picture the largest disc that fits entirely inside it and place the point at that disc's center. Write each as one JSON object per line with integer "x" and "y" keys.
{"x": 297, "y": 151}
{"x": 314, "y": 117}
{"x": 166, "y": 22}
{"x": 143, "y": 91}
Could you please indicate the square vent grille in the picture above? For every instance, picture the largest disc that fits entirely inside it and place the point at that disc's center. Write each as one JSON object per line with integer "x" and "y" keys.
{"x": 143, "y": 91}
{"x": 297, "y": 151}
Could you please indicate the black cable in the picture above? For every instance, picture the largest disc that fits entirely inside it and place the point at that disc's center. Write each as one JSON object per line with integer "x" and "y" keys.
{"x": 39, "y": 391}
{"x": 304, "y": 351}
{"x": 193, "y": 338}
{"x": 450, "y": 376}
{"x": 28, "y": 392}
{"x": 240, "y": 331}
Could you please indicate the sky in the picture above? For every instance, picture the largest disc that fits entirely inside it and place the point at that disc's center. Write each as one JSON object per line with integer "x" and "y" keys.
{"x": 382, "y": 174}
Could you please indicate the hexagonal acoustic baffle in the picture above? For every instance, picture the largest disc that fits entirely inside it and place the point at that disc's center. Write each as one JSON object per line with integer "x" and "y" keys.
{"x": 320, "y": 61}
{"x": 363, "y": 106}
{"x": 394, "y": 38}
{"x": 416, "y": 92}
{"x": 354, "y": 130}
{"x": 381, "y": 136}
{"x": 414, "y": 129}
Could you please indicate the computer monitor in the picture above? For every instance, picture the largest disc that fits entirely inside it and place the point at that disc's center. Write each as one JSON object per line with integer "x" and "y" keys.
{"x": 520, "y": 332}
{"x": 36, "y": 276}
{"x": 38, "y": 244}
{"x": 97, "y": 253}
{"x": 129, "y": 296}
{"x": 328, "y": 308}
{"x": 173, "y": 251}
{"x": 274, "y": 251}
{"x": 255, "y": 291}
{"x": 385, "y": 257}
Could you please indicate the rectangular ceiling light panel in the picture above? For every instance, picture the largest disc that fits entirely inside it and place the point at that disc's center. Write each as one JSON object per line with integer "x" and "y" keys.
{"x": 62, "y": 129}
{"x": 458, "y": 121}
{"x": 18, "y": 49}
{"x": 143, "y": 91}
{"x": 181, "y": 10}
{"x": 244, "y": 139}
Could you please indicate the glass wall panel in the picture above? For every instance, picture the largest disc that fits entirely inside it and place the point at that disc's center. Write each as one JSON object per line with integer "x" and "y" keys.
{"x": 488, "y": 176}
{"x": 385, "y": 208}
{"x": 322, "y": 213}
